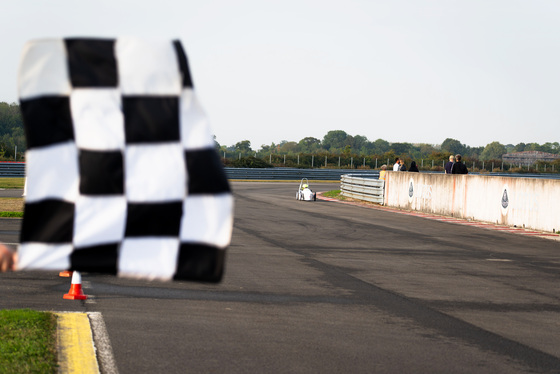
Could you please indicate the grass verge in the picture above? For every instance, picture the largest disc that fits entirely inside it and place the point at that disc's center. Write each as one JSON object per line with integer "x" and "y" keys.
{"x": 11, "y": 207}
{"x": 27, "y": 341}
{"x": 11, "y": 204}
{"x": 334, "y": 194}
{"x": 12, "y": 182}
{"x": 11, "y": 214}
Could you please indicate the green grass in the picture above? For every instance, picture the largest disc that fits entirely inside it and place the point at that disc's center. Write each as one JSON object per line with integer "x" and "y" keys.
{"x": 27, "y": 341}
{"x": 12, "y": 182}
{"x": 334, "y": 194}
{"x": 11, "y": 206}
{"x": 11, "y": 214}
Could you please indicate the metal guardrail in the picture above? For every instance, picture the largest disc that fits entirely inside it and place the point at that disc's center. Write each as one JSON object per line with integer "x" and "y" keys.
{"x": 335, "y": 174}
{"x": 363, "y": 187}
{"x": 17, "y": 170}
{"x": 12, "y": 170}
{"x": 293, "y": 173}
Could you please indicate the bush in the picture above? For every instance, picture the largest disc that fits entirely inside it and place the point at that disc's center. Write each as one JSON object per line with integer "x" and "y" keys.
{"x": 250, "y": 162}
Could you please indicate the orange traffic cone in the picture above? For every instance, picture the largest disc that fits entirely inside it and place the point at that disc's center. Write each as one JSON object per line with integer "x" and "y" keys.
{"x": 65, "y": 273}
{"x": 75, "y": 292}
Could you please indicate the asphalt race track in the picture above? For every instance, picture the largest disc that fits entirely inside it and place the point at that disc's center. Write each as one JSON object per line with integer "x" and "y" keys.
{"x": 324, "y": 287}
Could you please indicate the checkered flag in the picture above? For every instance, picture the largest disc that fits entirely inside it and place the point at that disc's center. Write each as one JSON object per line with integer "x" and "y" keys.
{"x": 123, "y": 177}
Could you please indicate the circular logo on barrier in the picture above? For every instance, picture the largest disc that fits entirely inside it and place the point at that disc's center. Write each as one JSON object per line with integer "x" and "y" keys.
{"x": 505, "y": 200}
{"x": 410, "y": 190}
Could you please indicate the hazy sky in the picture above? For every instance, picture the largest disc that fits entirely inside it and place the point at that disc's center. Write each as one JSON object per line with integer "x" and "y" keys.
{"x": 415, "y": 71}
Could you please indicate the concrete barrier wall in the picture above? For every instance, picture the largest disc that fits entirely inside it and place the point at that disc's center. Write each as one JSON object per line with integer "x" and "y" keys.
{"x": 523, "y": 202}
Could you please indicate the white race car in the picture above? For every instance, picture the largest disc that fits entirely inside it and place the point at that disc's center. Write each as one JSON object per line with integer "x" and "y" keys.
{"x": 304, "y": 192}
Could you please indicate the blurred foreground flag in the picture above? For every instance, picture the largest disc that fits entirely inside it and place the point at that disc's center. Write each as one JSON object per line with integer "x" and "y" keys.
{"x": 123, "y": 176}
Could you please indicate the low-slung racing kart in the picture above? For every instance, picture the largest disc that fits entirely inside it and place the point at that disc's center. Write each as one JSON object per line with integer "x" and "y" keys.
{"x": 304, "y": 192}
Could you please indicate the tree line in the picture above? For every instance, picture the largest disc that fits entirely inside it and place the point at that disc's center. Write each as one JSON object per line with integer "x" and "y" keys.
{"x": 12, "y": 136}
{"x": 358, "y": 150}
{"x": 336, "y": 147}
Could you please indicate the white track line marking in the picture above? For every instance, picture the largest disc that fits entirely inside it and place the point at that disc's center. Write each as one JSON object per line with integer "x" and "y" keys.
{"x": 105, "y": 357}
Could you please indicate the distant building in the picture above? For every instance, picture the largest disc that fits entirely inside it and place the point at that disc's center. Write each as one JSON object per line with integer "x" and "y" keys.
{"x": 529, "y": 157}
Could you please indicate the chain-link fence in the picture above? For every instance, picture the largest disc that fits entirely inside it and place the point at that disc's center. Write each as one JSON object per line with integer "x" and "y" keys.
{"x": 314, "y": 161}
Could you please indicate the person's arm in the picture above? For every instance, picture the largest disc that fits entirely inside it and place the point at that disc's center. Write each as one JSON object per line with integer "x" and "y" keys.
{"x": 7, "y": 259}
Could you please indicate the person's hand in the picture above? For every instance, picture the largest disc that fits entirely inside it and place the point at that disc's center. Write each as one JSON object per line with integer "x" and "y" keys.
{"x": 7, "y": 259}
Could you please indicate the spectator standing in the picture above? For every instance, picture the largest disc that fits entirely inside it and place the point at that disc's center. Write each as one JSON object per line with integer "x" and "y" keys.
{"x": 458, "y": 166}
{"x": 413, "y": 167}
{"x": 383, "y": 172}
{"x": 397, "y": 165}
{"x": 403, "y": 166}
{"x": 449, "y": 165}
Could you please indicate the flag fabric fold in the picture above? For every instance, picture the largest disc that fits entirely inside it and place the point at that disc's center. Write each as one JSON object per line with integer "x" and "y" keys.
{"x": 122, "y": 174}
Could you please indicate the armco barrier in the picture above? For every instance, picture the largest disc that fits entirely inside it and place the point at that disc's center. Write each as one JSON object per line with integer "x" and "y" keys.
{"x": 12, "y": 169}
{"x": 362, "y": 187}
{"x": 329, "y": 174}
{"x": 18, "y": 170}
{"x": 293, "y": 173}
